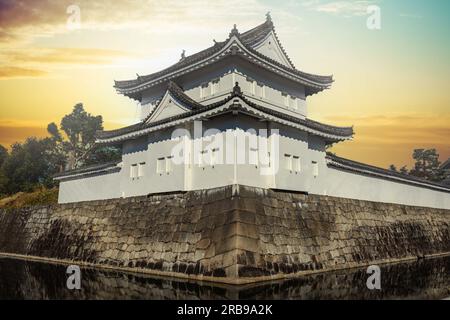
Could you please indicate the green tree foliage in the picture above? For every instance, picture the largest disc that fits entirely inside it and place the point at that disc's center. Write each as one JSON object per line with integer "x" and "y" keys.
{"x": 3, "y": 179}
{"x": 34, "y": 162}
{"x": 75, "y": 145}
{"x": 28, "y": 165}
{"x": 393, "y": 168}
{"x": 3, "y": 154}
{"x": 404, "y": 170}
{"x": 427, "y": 165}
{"x": 56, "y": 151}
{"x": 103, "y": 155}
{"x": 79, "y": 128}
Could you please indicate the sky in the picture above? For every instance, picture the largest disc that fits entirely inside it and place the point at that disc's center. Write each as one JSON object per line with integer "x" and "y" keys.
{"x": 392, "y": 84}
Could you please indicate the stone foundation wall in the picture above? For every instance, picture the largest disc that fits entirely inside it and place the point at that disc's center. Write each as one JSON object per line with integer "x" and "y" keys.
{"x": 231, "y": 234}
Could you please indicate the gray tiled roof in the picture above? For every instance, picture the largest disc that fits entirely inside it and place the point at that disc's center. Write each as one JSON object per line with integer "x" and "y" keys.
{"x": 346, "y": 164}
{"x": 178, "y": 93}
{"x": 88, "y": 169}
{"x": 248, "y": 38}
{"x": 328, "y": 129}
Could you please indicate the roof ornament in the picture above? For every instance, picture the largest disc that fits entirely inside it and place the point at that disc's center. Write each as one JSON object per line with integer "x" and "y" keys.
{"x": 269, "y": 18}
{"x": 234, "y": 31}
{"x": 183, "y": 55}
{"x": 237, "y": 89}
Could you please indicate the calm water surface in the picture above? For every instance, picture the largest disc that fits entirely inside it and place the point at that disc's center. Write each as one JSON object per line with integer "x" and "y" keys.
{"x": 424, "y": 279}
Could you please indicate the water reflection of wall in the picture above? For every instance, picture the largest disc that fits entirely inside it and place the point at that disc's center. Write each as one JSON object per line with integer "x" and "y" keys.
{"x": 424, "y": 279}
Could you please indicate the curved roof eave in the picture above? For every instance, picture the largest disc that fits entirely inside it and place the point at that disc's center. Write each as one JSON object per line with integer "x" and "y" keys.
{"x": 212, "y": 54}
{"x": 88, "y": 170}
{"x": 362, "y": 168}
{"x": 330, "y": 133}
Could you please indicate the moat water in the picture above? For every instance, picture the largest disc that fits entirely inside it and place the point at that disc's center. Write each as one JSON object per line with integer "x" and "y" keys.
{"x": 423, "y": 279}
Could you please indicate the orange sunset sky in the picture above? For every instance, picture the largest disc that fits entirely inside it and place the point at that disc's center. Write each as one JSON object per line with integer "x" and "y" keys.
{"x": 392, "y": 84}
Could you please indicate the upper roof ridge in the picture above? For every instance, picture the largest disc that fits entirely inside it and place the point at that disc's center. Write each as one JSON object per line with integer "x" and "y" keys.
{"x": 249, "y": 39}
{"x": 258, "y": 33}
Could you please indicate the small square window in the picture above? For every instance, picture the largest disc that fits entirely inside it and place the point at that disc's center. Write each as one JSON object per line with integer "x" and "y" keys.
{"x": 160, "y": 165}
{"x": 260, "y": 91}
{"x": 203, "y": 158}
{"x": 133, "y": 171}
{"x": 215, "y": 86}
{"x": 296, "y": 164}
{"x": 169, "y": 164}
{"x": 215, "y": 157}
{"x": 315, "y": 169}
{"x": 288, "y": 162}
{"x": 293, "y": 102}
{"x": 253, "y": 157}
{"x": 204, "y": 90}
{"x": 285, "y": 99}
{"x": 140, "y": 170}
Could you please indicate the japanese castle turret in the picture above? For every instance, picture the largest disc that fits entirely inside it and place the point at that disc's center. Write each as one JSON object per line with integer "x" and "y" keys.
{"x": 235, "y": 114}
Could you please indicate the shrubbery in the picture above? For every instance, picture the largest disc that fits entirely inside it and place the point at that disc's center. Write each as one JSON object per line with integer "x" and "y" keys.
{"x": 40, "y": 196}
{"x": 31, "y": 165}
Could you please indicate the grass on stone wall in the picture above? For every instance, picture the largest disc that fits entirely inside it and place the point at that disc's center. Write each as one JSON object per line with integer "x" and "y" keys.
{"x": 38, "y": 197}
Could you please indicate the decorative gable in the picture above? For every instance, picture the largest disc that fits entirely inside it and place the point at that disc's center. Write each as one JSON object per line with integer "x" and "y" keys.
{"x": 174, "y": 102}
{"x": 271, "y": 48}
{"x": 169, "y": 106}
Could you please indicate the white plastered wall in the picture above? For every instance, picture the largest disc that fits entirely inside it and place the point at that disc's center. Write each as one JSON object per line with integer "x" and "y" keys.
{"x": 93, "y": 187}
{"x": 312, "y": 178}
{"x": 216, "y": 82}
{"x": 339, "y": 183}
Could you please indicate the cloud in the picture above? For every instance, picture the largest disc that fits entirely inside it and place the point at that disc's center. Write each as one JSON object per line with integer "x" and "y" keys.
{"x": 14, "y": 72}
{"x": 341, "y": 8}
{"x": 25, "y": 18}
{"x": 19, "y": 19}
{"x": 42, "y": 23}
{"x": 30, "y": 63}
{"x": 382, "y": 139}
{"x": 65, "y": 55}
